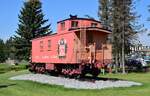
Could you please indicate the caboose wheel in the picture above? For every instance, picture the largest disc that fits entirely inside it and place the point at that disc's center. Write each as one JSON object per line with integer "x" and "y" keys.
{"x": 95, "y": 72}
{"x": 31, "y": 67}
{"x": 82, "y": 75}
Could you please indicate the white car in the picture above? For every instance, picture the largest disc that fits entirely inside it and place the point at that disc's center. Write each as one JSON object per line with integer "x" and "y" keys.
{"x": 143, "y": 62}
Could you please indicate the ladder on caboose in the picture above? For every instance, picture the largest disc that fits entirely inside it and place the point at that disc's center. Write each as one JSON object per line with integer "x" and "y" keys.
{"x": 83, "y": 43}
{"x": 83, "y": 38}
{"x": 87, "y": 52}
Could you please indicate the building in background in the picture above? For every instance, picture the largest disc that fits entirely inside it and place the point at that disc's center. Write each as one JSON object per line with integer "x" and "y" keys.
{"x": 140, "y": 50}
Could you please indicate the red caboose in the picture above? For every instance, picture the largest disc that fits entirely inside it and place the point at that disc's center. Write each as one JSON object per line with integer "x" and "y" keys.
{"x": 78, "y": 47}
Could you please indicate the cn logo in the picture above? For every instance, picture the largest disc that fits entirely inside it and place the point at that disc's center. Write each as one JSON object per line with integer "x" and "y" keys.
{"x": 62, "y": 48}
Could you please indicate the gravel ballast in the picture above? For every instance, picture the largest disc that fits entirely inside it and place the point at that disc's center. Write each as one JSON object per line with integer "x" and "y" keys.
{"x": 73, "y": 83}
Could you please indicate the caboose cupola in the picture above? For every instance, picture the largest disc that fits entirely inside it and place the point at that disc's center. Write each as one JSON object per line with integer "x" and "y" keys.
{"x": 74, "y": 22}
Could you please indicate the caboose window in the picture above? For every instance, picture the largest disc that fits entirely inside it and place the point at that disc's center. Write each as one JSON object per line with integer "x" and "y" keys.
{"x": 49, "y": 45}
{"x": 62, "y": 26}
{"x": 93, "y": 24}
{"x": 74, "y": 24}
{"x": 41, "y": 45}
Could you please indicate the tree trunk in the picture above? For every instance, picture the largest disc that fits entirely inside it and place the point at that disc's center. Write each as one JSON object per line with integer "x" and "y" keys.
{"x": 123, "y": 47}
{"x": 116, "y": 63}
{"x": 123, "y": 60}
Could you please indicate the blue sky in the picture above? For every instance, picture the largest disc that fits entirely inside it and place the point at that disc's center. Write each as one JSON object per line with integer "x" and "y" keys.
{"x": 56, "y": 10}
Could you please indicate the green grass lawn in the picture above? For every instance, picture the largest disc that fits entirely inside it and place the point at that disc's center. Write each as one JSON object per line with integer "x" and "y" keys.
{"x": 29, "y": 88}
{"x": 7, "y": 67}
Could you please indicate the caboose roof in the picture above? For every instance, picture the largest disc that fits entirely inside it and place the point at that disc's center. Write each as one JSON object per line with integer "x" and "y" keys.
{"x": 91, "y": 28}
{"x": 89, "y": 19}
{"x": 44, "y": 36}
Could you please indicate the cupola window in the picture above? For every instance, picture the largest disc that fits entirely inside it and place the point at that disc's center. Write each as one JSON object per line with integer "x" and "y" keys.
{"x": 74, "y": 24}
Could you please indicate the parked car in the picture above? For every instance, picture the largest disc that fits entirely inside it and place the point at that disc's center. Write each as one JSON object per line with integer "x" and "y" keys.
{"x": 147, "y": 59}
{"x": 143, "y": 62}
{"x": 138, "y": 64}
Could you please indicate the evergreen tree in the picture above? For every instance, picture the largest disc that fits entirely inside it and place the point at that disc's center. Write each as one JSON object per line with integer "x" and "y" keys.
{"x": 124, "y": 29}
{"x": 2, "y": 51}
{"x": 10, "y": 49}
{"x": 104, "y": 13}
{"x": 148, "y": 17}
{"x": 118, "y": 15}
{"x": 31, "y": 25}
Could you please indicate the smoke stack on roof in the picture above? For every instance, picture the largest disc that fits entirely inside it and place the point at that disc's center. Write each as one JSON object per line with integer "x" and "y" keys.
{"x": 73, "y": 16}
